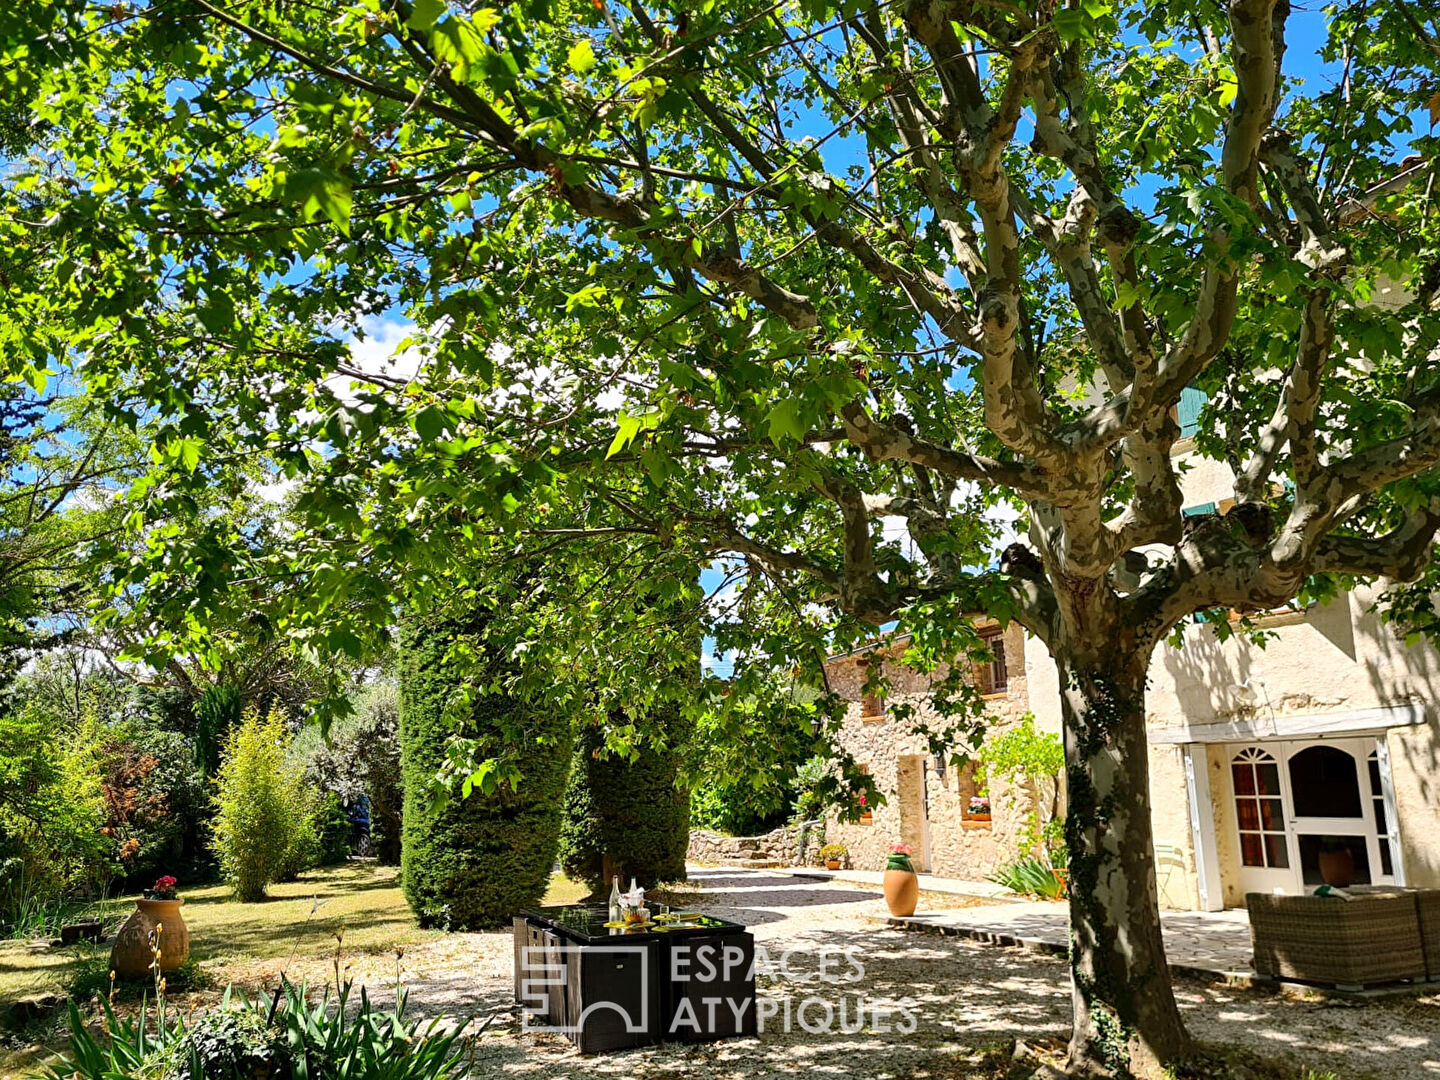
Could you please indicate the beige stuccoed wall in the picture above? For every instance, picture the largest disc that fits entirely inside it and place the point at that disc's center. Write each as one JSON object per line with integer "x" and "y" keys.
{"x": 1415, "y": 769}
{"x": 957, "y": 848}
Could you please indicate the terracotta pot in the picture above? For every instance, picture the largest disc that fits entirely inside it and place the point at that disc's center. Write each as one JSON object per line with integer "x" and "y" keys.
{"x": 1338, "y": 868}
{"x": 902, "y": 890}
{"x": 832, "y": 864}
{"x": 131, "y": 955}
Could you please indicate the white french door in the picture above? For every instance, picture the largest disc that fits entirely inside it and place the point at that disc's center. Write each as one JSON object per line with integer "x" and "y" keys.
{"x": 1293, "y": 800}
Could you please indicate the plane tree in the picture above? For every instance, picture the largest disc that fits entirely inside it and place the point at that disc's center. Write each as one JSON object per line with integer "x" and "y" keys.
{"x": 810, "y": 290}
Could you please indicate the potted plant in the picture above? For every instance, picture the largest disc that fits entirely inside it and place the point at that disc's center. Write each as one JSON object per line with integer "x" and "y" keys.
{"x": 902, "y": 887}
{"x": 1337, "y": 863}
{"x": 865, "y": 815}
{"x": 154, "y": 935}
{"x": 979, "y": 808}
{"x": 832, "y": 855}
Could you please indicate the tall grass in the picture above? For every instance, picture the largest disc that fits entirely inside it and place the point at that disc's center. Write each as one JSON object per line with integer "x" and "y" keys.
{"x": 28, "y": 909}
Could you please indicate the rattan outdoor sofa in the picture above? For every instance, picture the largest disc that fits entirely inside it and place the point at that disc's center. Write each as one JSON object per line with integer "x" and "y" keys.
{"x": 1361, "y": 940}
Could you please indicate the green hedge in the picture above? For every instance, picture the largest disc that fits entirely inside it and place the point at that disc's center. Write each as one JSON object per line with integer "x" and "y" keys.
{"x": 473, "y": 862}
{"x": 634, "y": 812}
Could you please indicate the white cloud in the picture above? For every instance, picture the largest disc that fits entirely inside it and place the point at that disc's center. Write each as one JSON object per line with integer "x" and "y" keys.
{"x": 277, "y": 491}
{"x": 378, "y": 352}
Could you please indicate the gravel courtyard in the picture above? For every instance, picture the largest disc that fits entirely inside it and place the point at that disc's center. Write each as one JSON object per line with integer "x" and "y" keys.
{"x": 965, "y": 997}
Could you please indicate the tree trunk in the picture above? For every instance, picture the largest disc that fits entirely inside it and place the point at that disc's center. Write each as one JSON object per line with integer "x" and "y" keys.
{"x": 1126, "y": 1019}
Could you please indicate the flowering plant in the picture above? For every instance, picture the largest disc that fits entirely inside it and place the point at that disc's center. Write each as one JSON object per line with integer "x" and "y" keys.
{"x": 900, "y": 858}
{"x": 163, "y": 889}
{"x": 833, "y": 853}
{"x": 979, "y": 804}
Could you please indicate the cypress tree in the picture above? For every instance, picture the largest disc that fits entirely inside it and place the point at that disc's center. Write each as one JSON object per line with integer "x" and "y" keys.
{"x": 625, "y": 817}
{"x": 468, "y": 863}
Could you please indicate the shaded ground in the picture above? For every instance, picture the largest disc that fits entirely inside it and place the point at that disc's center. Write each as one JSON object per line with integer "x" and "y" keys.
{"x": 967, "y": 998}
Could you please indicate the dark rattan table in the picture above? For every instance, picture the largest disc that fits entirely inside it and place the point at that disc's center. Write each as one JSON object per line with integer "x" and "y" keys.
{"x": 608, "y": 989}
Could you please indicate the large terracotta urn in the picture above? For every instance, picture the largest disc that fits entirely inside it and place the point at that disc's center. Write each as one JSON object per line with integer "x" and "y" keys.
{"x": 902, "y": 887}
{"x": 133, "y": 951}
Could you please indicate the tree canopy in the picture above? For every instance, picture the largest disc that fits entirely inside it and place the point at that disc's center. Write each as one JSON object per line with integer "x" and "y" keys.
{"x": 803, "y": 289}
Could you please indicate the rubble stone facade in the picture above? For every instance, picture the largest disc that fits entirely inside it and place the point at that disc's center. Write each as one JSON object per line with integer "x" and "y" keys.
{"x": 927, "y": 804}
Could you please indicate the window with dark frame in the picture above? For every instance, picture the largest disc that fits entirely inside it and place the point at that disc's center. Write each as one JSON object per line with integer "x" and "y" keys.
{"x": 993, "y": 677}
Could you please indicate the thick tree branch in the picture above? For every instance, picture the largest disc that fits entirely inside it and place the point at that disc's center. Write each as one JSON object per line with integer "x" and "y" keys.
{"x": 1258, "y": 46}
{"x": 1401, "y": 554}
{"x": 888, "y": 442}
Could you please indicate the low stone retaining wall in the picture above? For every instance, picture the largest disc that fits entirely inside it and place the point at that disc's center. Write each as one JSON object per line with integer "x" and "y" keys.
{"x": 779, "y": 847}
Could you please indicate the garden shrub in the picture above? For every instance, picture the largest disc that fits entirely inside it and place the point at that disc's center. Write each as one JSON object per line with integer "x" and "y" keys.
{"x": 244, "y": 1039}
{"x": 746, "y": 755}
{"x": 473, "y": 861}
{"x": 332, "y": 828}
{"x": 154, "y": 800}
{"x": 230, "y": 1044}
{"x": 263, "y": 819}
{"x": 360, "y": 758}
{"x": 52, "y": 812}
{"x": 1033, "y": 759}
{"x": 633, "y": 813}
{"x": 216, "y": 714}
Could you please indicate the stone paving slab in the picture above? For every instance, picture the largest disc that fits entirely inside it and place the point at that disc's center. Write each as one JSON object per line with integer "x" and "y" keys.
{"x": 1207, "y": 945}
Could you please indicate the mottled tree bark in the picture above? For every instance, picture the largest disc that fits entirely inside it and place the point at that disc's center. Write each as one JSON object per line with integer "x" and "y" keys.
{"x": 1126, "y": 1019}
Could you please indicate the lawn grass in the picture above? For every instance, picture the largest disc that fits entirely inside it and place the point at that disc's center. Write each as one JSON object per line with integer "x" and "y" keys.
{"x": 299, "y": 921}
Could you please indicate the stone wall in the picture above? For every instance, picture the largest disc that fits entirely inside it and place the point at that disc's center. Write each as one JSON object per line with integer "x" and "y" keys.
{"x": 779, "y": 846}
{"x": 925, "y": 807}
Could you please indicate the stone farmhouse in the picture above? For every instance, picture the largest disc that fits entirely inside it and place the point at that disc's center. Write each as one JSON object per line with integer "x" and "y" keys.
{"x": 928, "y": 803}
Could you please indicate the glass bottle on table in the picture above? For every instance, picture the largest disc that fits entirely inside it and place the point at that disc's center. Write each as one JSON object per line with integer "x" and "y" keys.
{"x": 616, "y": 914}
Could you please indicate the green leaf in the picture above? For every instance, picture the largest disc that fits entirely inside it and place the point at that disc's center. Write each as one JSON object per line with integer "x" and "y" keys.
{"x": 588, "y": 296}
{"x": 425, "y": 13}
{"x": 458, "y": 42}
{"x": 322, "y": 195}
{"x": 429, "y": 423}
{"x": 343, "y": 640}
{"x": 582, "y": 56}
{"x": 787, "y": 419}
{"x": 184, "y": 451}
{"x": 629, "y": 427}
{"x": 218, "y": 312}
{"x": 1070, "y": 25}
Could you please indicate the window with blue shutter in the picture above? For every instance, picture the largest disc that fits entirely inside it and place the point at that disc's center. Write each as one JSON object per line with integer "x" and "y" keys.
{"x": 1187, "y": 411}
